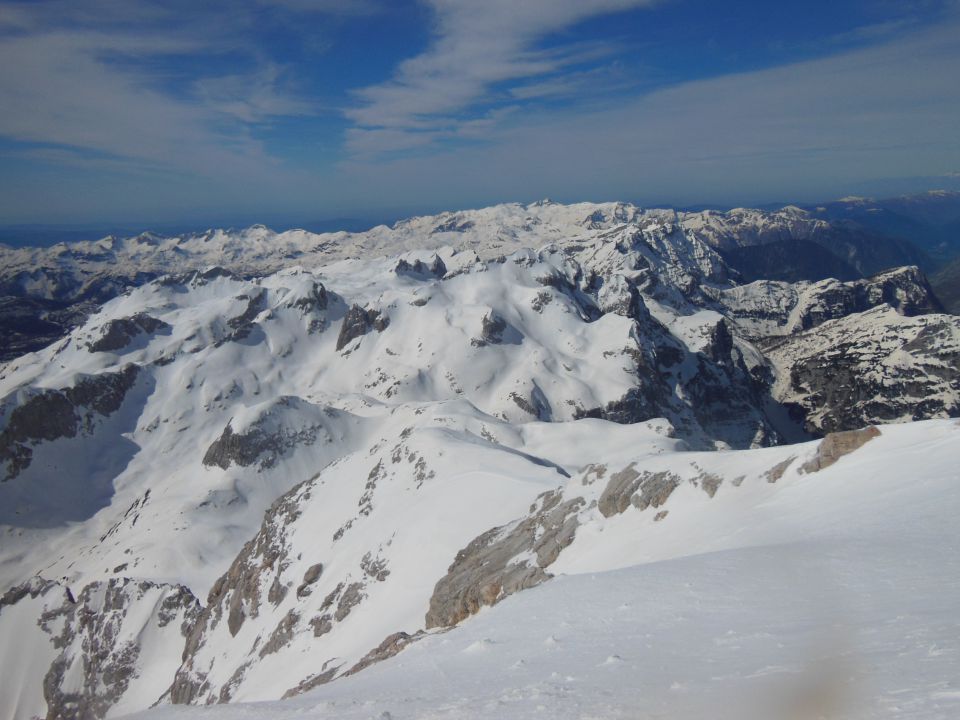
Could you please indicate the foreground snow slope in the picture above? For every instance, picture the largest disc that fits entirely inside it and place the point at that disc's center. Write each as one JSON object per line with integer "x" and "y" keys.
{"x": 824, "y": 594}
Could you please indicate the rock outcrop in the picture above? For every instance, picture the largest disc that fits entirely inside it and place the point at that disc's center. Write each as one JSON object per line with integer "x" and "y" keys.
{"x": 49, "y": 415}
{"x": 117, "y": 334}
{"x": 504, "y": 560}
{"x": 282, "y": 427}
{"x": 870, "y": 368}
{"x": 835, "y": 445}
{"x": 109, "y": 644}
{"x": 358, "y": 322}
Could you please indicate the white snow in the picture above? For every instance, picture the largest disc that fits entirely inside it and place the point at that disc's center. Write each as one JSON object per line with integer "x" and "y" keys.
{"x": 837, "y": 599}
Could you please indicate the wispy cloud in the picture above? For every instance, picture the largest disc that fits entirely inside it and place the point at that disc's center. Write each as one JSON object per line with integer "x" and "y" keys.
{"x": 477, "y": 47}
{"x": 94, "y": 76}
{"x": 808, "y": 129}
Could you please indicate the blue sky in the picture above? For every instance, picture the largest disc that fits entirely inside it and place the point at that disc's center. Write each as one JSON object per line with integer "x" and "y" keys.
{"x": 292, "y": 111}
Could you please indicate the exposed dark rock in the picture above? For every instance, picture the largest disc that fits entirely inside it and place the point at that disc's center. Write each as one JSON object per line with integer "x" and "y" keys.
{"x": 95, "y": 664}
{"x": 620, "y": 488}
{"x": 349, "y": 599}
{"x": 49, "y": 415}
{"x": 259, "y": 444}
{"x": 841, "y": 376}
{"x": 790, "y": 260}
{"x": 710, "y": 483}
{"x": 654, "y": 490}
{"x": 640, "y": 489}
{"x": 542, "y": 299}
{"x": 242, "y": 325}
{"x": 237, "y": 595}
{"x": 117, "y": 334}
{"x": 538, "y": 406}
{"x": 315, "y": 301}
{"x": 358, "y": 322}
{"x": 374, "y": 567}
{"x": 777, "y": 471}
{"x": 321, "y": 625}
{"x": 390, "y": 646}
{"x": 281, "y": 635}
{"x": 34, "y": 587}
{"x": 454, "y": 224}
{"x": 905, "y": 289}
{"x": 312, "y": 574}
{"x": 321, "y": 678}
{"x": 421, "y": 270}
{"x": 29, "y": 324}
{"x": 491, "y": 330}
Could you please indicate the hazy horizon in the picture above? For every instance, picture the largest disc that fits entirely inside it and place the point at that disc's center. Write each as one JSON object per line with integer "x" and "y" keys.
{"x": 46, "y": 234}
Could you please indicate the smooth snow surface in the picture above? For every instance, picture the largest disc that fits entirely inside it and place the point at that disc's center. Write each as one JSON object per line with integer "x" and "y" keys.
{"x": 838, "y": 600}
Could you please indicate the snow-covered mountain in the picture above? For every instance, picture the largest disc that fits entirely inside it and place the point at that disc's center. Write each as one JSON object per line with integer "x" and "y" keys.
{"x": 44, "y": 292}
{"x": 289, "y": 457}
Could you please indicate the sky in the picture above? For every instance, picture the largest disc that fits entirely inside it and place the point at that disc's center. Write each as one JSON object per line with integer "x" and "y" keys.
{"x": 228, "y": 112}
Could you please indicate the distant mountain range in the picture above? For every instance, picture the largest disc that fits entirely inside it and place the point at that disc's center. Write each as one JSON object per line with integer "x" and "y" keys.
{"x": 44, "y": 291}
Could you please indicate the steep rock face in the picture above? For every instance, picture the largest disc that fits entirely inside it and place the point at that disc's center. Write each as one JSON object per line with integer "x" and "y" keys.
{"x": 767, "y": 308}
{"x": 112, "y": 648}
{"x": 118, "y": 333}
{"x": 48, "y": 415}
{"x": 904, "y": 289}
{"x": 946, "y": 283}
{"x": 421, "y": 268}
{"x": 792, "y": 260}
{"x": 516, "y": 556}
{"x": 279, "y": 427}
{"x": 410, "y": 443}
{"x": 236, "y": 596}
{"x": 738, "y": 232}
{"x": 358, "y": 322}
{"x": 504, "y": 560}
{"x": 28, "y": 324}
{"x": 873, "y": 367}
{"x": 687, "y": 248}
{"x": 492, "y": 327}
{"x": 640, "y": 489}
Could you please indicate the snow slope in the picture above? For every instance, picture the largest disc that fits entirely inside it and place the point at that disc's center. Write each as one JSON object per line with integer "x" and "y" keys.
{"x": 825, "y": 594}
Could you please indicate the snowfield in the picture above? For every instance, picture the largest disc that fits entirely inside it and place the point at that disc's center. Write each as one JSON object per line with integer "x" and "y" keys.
{"x": 825, "y": 595}
{"x": 547, "y": 461}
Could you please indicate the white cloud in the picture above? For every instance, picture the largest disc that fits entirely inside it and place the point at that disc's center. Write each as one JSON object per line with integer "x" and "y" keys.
{"x": 809, "y": 129}
{"x": 93, "y": 76}
{"x": 64, "y": 93}
{"x": 477, "y": 45}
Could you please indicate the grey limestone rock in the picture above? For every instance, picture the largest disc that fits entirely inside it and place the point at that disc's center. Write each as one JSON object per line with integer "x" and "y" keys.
{"x": 99, "y": 636}
{"x": 640, "y": 489}
{"x": 489, "y": 568}
{"x": 835, "y": 445}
